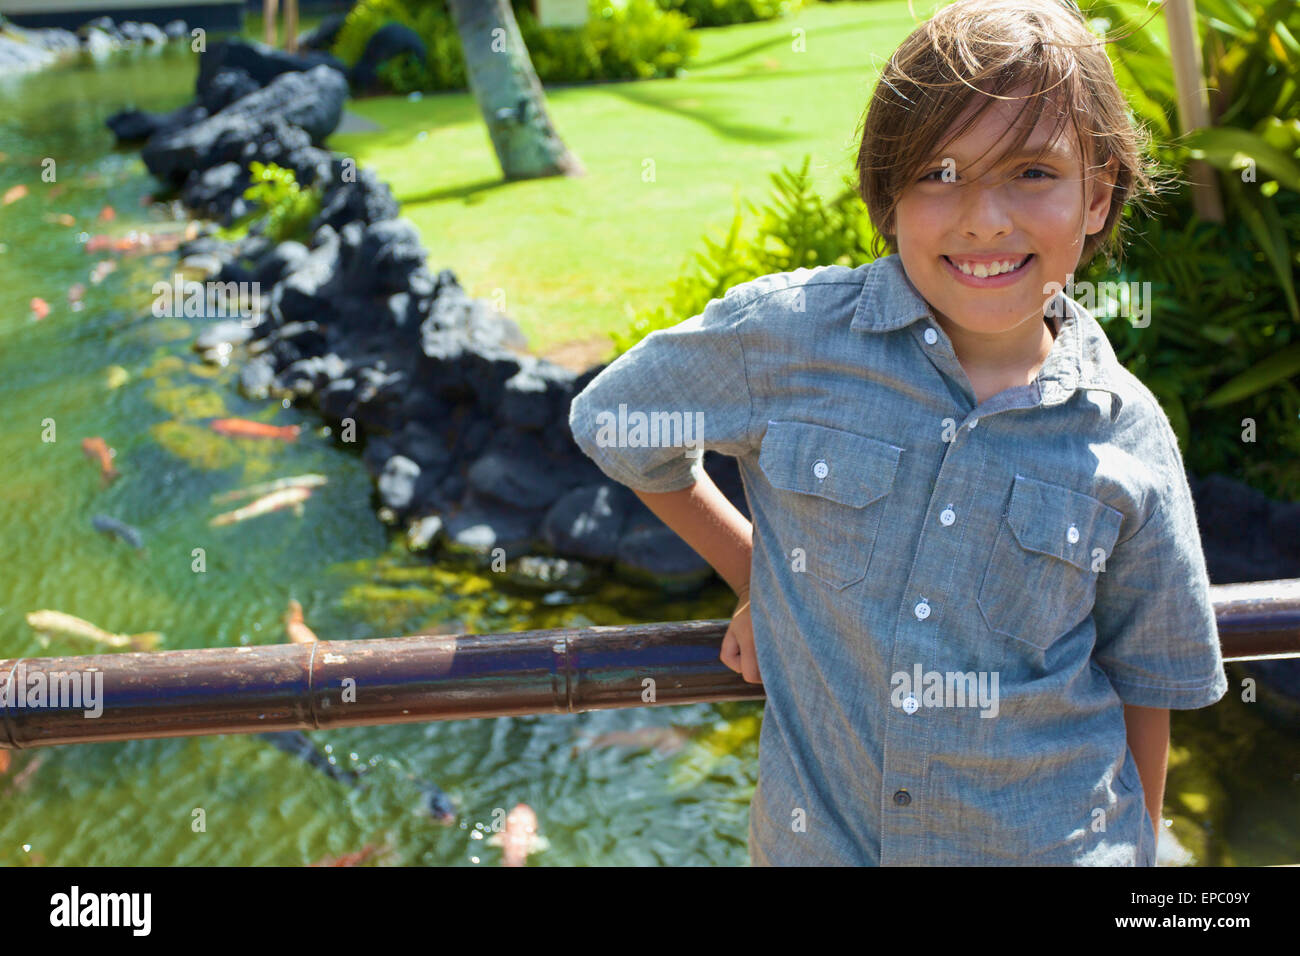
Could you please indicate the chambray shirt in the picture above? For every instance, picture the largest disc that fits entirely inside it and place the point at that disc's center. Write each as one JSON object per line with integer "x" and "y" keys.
{"x": 911, "y": 547}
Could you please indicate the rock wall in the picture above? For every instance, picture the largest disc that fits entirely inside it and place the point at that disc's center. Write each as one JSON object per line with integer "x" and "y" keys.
{"x": 466, "y": 435}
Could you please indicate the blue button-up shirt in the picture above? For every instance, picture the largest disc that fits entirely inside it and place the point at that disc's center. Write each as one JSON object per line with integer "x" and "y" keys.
{"x": 952, "y": 600}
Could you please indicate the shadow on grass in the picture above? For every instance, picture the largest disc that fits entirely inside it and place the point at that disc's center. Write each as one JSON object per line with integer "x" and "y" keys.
{"x": 468, "y": 192}
{"x": 780, "y": 41}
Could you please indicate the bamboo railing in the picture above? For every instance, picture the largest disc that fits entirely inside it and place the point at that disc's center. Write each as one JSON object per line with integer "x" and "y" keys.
{"x": 246, "y": 690}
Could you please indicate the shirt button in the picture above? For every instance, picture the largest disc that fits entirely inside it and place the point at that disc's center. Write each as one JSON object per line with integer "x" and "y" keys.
{"x": 972, "y": 423}
{"x": 910, "y": 704}
{"x": 931, "y": 336}
{"x": 1072, "y": 535}
{"x": 821, "y": 469}
{"x": 922, "y": 611}
{"x": 947, "y": 516}
{"x": 902, "y": 798}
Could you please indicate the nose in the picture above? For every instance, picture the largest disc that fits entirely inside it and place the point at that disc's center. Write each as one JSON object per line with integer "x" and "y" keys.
{"x": 983, "y": 211}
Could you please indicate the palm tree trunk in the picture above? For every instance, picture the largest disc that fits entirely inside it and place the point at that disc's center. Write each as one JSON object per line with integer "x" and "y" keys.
{"x": 504, "y": 83}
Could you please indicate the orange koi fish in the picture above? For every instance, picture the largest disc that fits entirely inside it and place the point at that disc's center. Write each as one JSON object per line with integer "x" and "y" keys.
{"x": 40, "y": 308}
{"x": 96, "y": 450}
{"x": 14, "y": 194}
{"x": 243, "y": 428}
{"x": 298, "y": 632}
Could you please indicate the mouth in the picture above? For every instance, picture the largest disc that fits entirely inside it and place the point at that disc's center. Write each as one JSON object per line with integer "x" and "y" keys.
{"x": 987, "y": 275}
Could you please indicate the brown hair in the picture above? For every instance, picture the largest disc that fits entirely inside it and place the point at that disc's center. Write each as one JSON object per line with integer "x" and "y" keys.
{"x": 992, "y": 47}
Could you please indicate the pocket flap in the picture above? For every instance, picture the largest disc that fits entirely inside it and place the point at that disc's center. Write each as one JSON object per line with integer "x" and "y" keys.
{"x": 1065, "y": 524}
{"x": 814, "y": 460}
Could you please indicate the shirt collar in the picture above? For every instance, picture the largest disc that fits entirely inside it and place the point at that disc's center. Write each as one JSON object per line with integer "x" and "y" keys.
{"x": 1081, "y": 356}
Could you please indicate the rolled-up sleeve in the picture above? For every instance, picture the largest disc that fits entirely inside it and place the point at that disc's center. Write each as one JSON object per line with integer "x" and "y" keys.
{"x": 647, "y": 418}
{"x": 1157, "y": 638}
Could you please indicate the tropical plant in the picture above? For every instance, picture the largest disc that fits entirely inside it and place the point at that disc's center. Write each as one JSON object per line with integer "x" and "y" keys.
{"x": 286, "y": 209}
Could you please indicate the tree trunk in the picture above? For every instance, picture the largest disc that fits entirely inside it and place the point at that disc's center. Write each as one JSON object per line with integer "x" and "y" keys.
{"x": 509, "y": 95}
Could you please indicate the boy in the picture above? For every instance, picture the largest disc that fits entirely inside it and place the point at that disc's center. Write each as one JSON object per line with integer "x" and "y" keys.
{"x": 973, "y": 584}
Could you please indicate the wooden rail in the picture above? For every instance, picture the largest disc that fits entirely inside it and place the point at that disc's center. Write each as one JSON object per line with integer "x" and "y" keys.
{"x": 245, "y": 690}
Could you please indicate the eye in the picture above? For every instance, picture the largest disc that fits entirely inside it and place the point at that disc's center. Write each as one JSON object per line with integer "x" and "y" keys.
{"x": 1035, "y": 169}
{"x": 926, "y": 178}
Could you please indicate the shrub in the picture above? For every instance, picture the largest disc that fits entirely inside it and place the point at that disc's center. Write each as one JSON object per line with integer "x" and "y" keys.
{"x": 717, "y": 13}
{"x": 622, "y": 40}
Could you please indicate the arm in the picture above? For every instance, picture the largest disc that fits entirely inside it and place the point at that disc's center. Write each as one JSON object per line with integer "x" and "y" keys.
{"x": 1147, "y": 729}
{"x": 704, "y": 518}
{"x": 698, "y": 369}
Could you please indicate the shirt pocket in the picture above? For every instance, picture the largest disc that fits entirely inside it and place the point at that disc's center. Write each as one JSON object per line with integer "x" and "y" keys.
{"x": 831, "y": 489}
{"x": 1039, "y": 581}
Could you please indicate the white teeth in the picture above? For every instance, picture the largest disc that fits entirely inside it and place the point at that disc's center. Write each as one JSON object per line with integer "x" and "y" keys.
{"x": 984, "y": 270}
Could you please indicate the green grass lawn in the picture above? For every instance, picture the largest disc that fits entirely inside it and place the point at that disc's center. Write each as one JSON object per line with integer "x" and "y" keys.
{"x": 572, "y": 258}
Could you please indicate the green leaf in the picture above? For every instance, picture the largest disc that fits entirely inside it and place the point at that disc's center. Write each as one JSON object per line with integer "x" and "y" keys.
{"x": 1220, "y": 145}
{"x": 1276, "y": 368}
{"x": 1261, "y": 215}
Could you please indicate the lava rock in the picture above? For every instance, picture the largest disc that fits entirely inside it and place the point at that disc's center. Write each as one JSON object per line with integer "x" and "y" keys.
{"x": 280, "y": 260}
{"x": 588, "y": 521}
{"x": 338, "y": 399}
{"x": 261, "y": 62}
{"x": 423, "y": 532}
{"x": 397, "y": 483}
{"x": 424, "y": 446}
{"x": 1244, "y": 532}
{"x": 655, "y": 554}
{"x": 484, "y": 325}
{"x": 480, "y": 527}
{"x": 150, "y": 33}
{"x": 256, "y": 377}
{"x": 323, "y": 35}
{"x": 212, "y": 191}
{"x": 222, "y": 333}
{"x": 535, "y": 395}
{"x": 540, "y": 573}
{"x": 514, "y": 477}
{"x": 298, "y": 296}
{"x": 390, "y": 251}
{"x": 312, "y": 101}
{"x": 99, "y": 44}
{"x": 104, "y": 25}
{"x": 227, "y": 85}
{"x": 362, "y": 198}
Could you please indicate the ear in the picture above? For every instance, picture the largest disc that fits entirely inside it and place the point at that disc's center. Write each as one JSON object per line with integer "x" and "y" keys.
{"x": 1102, "y": 186}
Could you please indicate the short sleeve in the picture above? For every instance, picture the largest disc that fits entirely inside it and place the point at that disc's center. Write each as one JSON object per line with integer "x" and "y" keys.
{"x": 647, "y": 418}
{"x": 1157, "y": 637}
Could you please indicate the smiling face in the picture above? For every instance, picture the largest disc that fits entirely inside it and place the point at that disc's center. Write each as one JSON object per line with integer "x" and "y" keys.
{"x": 1032, "y": 215}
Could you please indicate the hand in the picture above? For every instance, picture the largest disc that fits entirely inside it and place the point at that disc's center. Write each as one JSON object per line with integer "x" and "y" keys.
{"x": 738, "y": 643}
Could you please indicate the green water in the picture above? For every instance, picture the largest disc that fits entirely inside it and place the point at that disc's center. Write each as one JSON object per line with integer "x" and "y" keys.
{"x": 1233, "y": 799}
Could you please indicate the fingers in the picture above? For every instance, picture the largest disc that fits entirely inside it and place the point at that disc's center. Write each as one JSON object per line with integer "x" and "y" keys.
{"x": 731, "y": 651}
{"x": 739, "y": 655}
